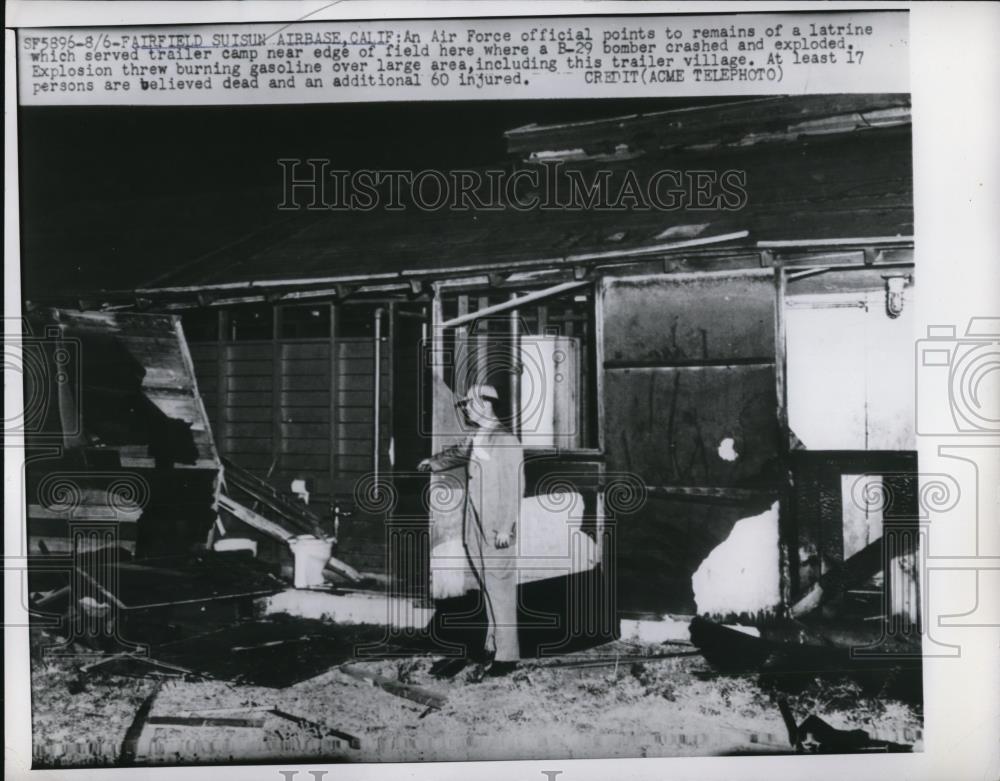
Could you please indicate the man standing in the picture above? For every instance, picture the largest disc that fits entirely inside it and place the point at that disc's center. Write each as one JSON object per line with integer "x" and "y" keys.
{"x": 494, "y": 466}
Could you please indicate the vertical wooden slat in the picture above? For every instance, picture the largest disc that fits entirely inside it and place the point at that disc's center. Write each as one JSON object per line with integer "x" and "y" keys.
{"x": 222, "y": 392}
{"x": 600, "y": 287}
{"x": 461, "y": 363}
{"x": 599, "y": 518}
{"x": 334, "y": 379}
{"x": 586, "y": 371}
{"x": 377, "y": 393}
{"x": 780, "y": 348}
{"x": 276, "y": 394}
{"x": 482, "y": 343}
{"x": 391, "y": 379}
{"x": 787, "y": 531}
{"x": 568, "y": 322}
{"x": 437, "y": 359}
{"x": 515, "y": 370}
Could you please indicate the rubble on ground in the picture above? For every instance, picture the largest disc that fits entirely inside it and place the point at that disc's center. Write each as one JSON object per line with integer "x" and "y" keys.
{"x": 618, "y": 700}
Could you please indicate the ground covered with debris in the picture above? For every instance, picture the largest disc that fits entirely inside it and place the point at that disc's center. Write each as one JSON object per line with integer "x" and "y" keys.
{"x": 623, "y": 699}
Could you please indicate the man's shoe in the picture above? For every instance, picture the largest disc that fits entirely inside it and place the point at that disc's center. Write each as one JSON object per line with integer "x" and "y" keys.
{"x": 448, "y": 668}
{"x": 500, "y": 669}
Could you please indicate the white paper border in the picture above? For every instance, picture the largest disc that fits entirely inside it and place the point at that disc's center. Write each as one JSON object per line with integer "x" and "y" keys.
{"x": 956, "y": 117}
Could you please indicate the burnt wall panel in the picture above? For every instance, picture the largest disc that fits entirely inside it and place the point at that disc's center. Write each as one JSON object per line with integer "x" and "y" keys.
{"x": 672, "y": 426}
{"x": 704, "y": 319}
{"x": 689, "y": 401}
{"x": 660, "y": 546}
{"x": 819, "y": 503}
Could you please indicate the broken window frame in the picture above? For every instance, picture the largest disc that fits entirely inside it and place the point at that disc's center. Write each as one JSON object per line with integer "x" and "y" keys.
{"x": 461, "y": 336}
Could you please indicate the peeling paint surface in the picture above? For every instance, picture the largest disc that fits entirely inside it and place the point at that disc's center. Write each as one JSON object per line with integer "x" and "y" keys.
{"x": 741, "y": 575}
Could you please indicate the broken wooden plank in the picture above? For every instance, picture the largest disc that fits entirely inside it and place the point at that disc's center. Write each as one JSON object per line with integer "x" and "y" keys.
{"x": 570, "y": 664}
{"x": 161, "y": 668}
{"x": 352, "y": 740}
{"x": 130, "y": 743}
{"x": 207, "y": 721}
{"x": 338, "y": 567}
{"x": 857, "y": 569}
{"x": 407, "y": 691}
{"x": 272, "y": 529}
{"x": 254, "y": 520}
{"x": 296, "y": 515}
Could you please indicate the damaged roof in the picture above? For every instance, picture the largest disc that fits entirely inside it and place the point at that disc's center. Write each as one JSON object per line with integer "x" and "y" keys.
{"x": 815, "y": 167}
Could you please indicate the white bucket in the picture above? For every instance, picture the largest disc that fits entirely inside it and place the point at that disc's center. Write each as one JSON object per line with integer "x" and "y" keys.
{"x": 311, "y": 555}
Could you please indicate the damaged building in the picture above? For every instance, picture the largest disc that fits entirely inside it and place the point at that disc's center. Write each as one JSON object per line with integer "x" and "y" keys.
{"x": 715, "y": 404}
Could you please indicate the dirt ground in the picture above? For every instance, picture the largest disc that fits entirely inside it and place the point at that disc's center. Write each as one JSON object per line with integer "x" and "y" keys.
{"x": 623, "y": 699}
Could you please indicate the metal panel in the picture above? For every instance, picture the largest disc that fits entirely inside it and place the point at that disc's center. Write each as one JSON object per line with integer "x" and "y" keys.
{"x": 693, "y": 426}
{"x": 689, "y": 318}
{"x": 660, "y": 546}
{"x": 689, "y": 399}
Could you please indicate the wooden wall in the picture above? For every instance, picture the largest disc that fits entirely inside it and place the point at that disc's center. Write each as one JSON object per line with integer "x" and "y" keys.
{"x": 136, "y": 445}
{"x": 300, "y": 408}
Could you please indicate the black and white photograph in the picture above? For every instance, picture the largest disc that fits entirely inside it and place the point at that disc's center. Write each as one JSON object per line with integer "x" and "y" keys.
{"x": 444, "y": 390}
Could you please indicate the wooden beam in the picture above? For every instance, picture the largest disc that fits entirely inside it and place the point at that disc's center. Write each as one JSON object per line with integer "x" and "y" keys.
{"x": 599, "y": 358}
{"x": 515, "y": 374}
{"x": 417, "y": 694}
{"x": 437, "y": 360}
{"x": 847, "y": 242}
{"x": 276, "y": 416}
{"x": 221, "y": 385}
{"x": 390, "y": 380}
{"x": 252, "y": 519}
{"x": 461, "y": 356}
{"x": 300, "y": 517}
{"x": 698, "y": 124}
{"x": 482, "y": 342}
{"x": 334, "y": 380}
{"x": 787, "y": 532}
{"x": 586, "y": 257}
{"x": 506, "y": 306}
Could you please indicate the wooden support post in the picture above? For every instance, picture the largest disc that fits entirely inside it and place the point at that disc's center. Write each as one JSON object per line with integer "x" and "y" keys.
{"x": 221, "y": 381}
{"x": 377, "y": 394}
{"x": 787, "y": 533}
{"x": 437, "y": 363}
{"x": 461, "y": 358}
{"x": 482, "y": 343}
{"x": 334, "y": 396}
{"x": 780, "y": 367}
{"x": 276, "y": 375}
{"x": 599, "y": 359}
{"x": 515, "y": 370}
{"x": 390, "y": 380}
